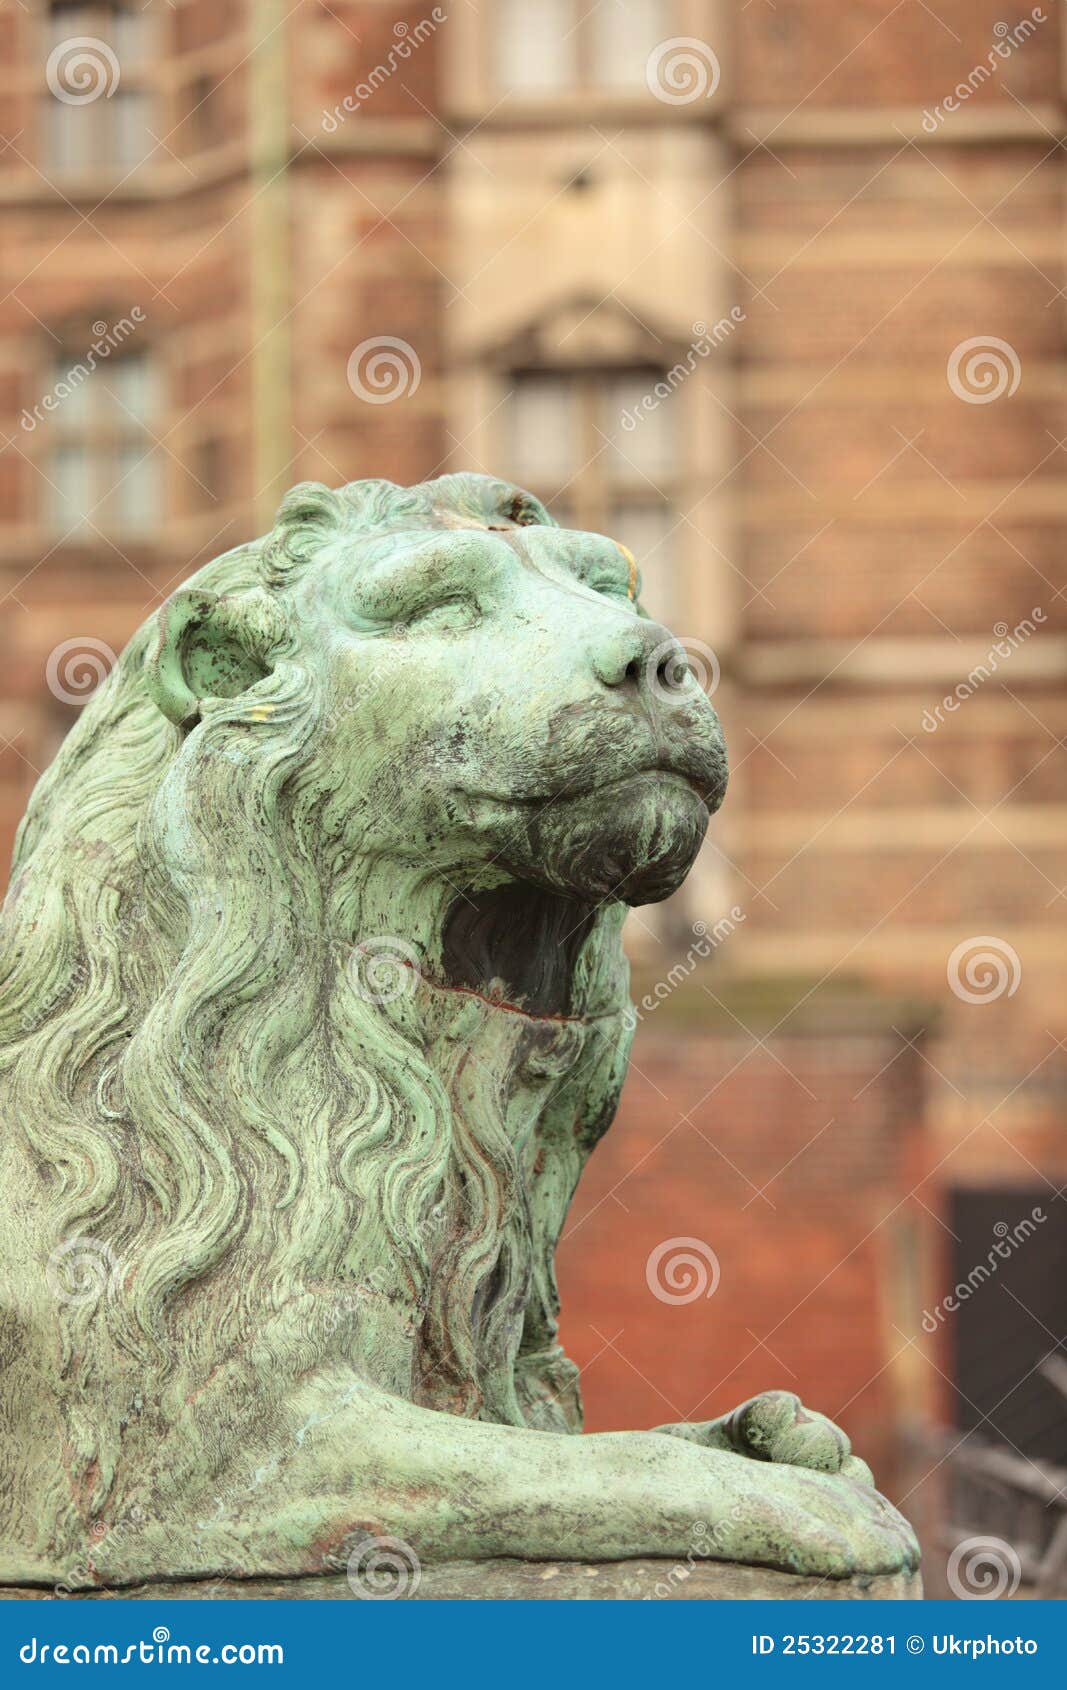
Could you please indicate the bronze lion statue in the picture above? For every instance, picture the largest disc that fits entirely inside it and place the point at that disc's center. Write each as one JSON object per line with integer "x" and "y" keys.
{"x": 313, "y": 1004}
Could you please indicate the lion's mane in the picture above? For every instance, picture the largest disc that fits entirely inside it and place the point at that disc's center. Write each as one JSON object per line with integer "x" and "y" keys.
{"x": 183, "y": 1054}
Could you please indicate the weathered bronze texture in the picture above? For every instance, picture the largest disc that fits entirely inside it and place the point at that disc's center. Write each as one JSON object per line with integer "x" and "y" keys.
{"x": 314, "y": 1005}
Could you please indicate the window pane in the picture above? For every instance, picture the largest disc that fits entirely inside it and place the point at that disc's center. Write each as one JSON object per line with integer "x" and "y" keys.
{"x": 640, "y": 428}
{"x": 68, "y": 489}
{"x": 103, "y": 123}
{"x": 71, "y": 136}
{"x": 624, "y": 33}
{"x": 130, "y": 114}
{"x": 135, "y": 499}
{"x": 131, "y": 389}
{"x": 66, "y": 21}
{"x": 68, "y": 381}
{"x": 129, "y": 31}
{"x": 536, "y": 46}
{"x": 83, "y": 65}
{"x": 647, "y": 531}
{"x": 544, "y": 432}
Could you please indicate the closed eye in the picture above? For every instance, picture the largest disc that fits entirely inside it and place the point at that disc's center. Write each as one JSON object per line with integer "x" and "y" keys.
{"x": 444, "y": 615}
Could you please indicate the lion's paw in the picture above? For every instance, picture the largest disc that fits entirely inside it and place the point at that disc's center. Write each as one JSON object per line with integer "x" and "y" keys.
{"x": 813, "y": 1523}
{"x": 775, "y": 1426}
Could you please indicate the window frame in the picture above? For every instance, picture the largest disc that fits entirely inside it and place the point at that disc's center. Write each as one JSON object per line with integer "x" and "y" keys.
{"x": 102, "y": 434}
{"x": 597, "y": 490}
{"x": 99, "y": 119}
{"x": 592, "y": 492}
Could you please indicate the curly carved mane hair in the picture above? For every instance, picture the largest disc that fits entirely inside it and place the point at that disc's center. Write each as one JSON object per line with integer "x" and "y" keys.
{"x": 191, "y": 1073}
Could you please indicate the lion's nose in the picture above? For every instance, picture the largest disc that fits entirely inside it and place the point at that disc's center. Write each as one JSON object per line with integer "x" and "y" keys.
{"x": 642, "y": 658}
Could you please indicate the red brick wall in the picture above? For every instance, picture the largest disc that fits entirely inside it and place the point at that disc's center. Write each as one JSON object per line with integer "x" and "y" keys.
{"x": 789, "y": 1165}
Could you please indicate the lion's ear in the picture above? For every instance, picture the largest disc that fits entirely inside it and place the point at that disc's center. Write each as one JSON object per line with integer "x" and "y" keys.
{"x": 210, "y": 647}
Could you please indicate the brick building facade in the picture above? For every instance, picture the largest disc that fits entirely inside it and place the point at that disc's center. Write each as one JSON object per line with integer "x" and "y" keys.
{"x": 824, "y": 508}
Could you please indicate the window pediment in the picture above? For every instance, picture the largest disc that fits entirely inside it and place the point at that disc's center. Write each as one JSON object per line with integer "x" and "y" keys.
{"x": 584, "y": 332}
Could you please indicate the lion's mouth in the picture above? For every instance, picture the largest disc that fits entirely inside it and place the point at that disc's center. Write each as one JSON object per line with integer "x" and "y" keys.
{"x": 517, "y": 946}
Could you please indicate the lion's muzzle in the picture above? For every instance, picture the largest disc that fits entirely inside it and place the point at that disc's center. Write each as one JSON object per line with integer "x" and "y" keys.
{"x": 644, "y": 765}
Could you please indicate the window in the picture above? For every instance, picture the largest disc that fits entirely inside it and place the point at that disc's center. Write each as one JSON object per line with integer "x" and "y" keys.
{"x": 603, "y": 462}
{"x": 102, "y": 467}
{"x": 100, "y": 105}
{"x": 558, "y": 46}
{"x": 536, "y": 46}
{"x": 623, "y": 34}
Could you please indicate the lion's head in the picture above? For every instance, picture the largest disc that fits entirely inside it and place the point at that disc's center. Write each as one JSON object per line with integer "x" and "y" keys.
{"x": 423, "y": 718}
{"x": 497, "y": 706}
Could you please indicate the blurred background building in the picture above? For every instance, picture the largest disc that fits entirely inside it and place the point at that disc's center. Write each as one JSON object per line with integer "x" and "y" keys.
{"x": 774, "y": 293}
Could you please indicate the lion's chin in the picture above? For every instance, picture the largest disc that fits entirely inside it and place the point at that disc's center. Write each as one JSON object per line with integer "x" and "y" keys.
{"x": 634, "y": 840}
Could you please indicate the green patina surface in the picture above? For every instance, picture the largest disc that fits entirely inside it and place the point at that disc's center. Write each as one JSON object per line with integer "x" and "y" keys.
{"x": 313, "y": 1007}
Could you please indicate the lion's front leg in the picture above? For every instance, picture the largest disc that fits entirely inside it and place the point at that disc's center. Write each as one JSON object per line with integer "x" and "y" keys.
{"x": 345, "y": 1462}
{"x": 776, "y": 1426}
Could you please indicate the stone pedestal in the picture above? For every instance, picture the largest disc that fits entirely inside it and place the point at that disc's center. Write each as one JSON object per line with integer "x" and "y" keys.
{"x": 557, "y": 1581}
